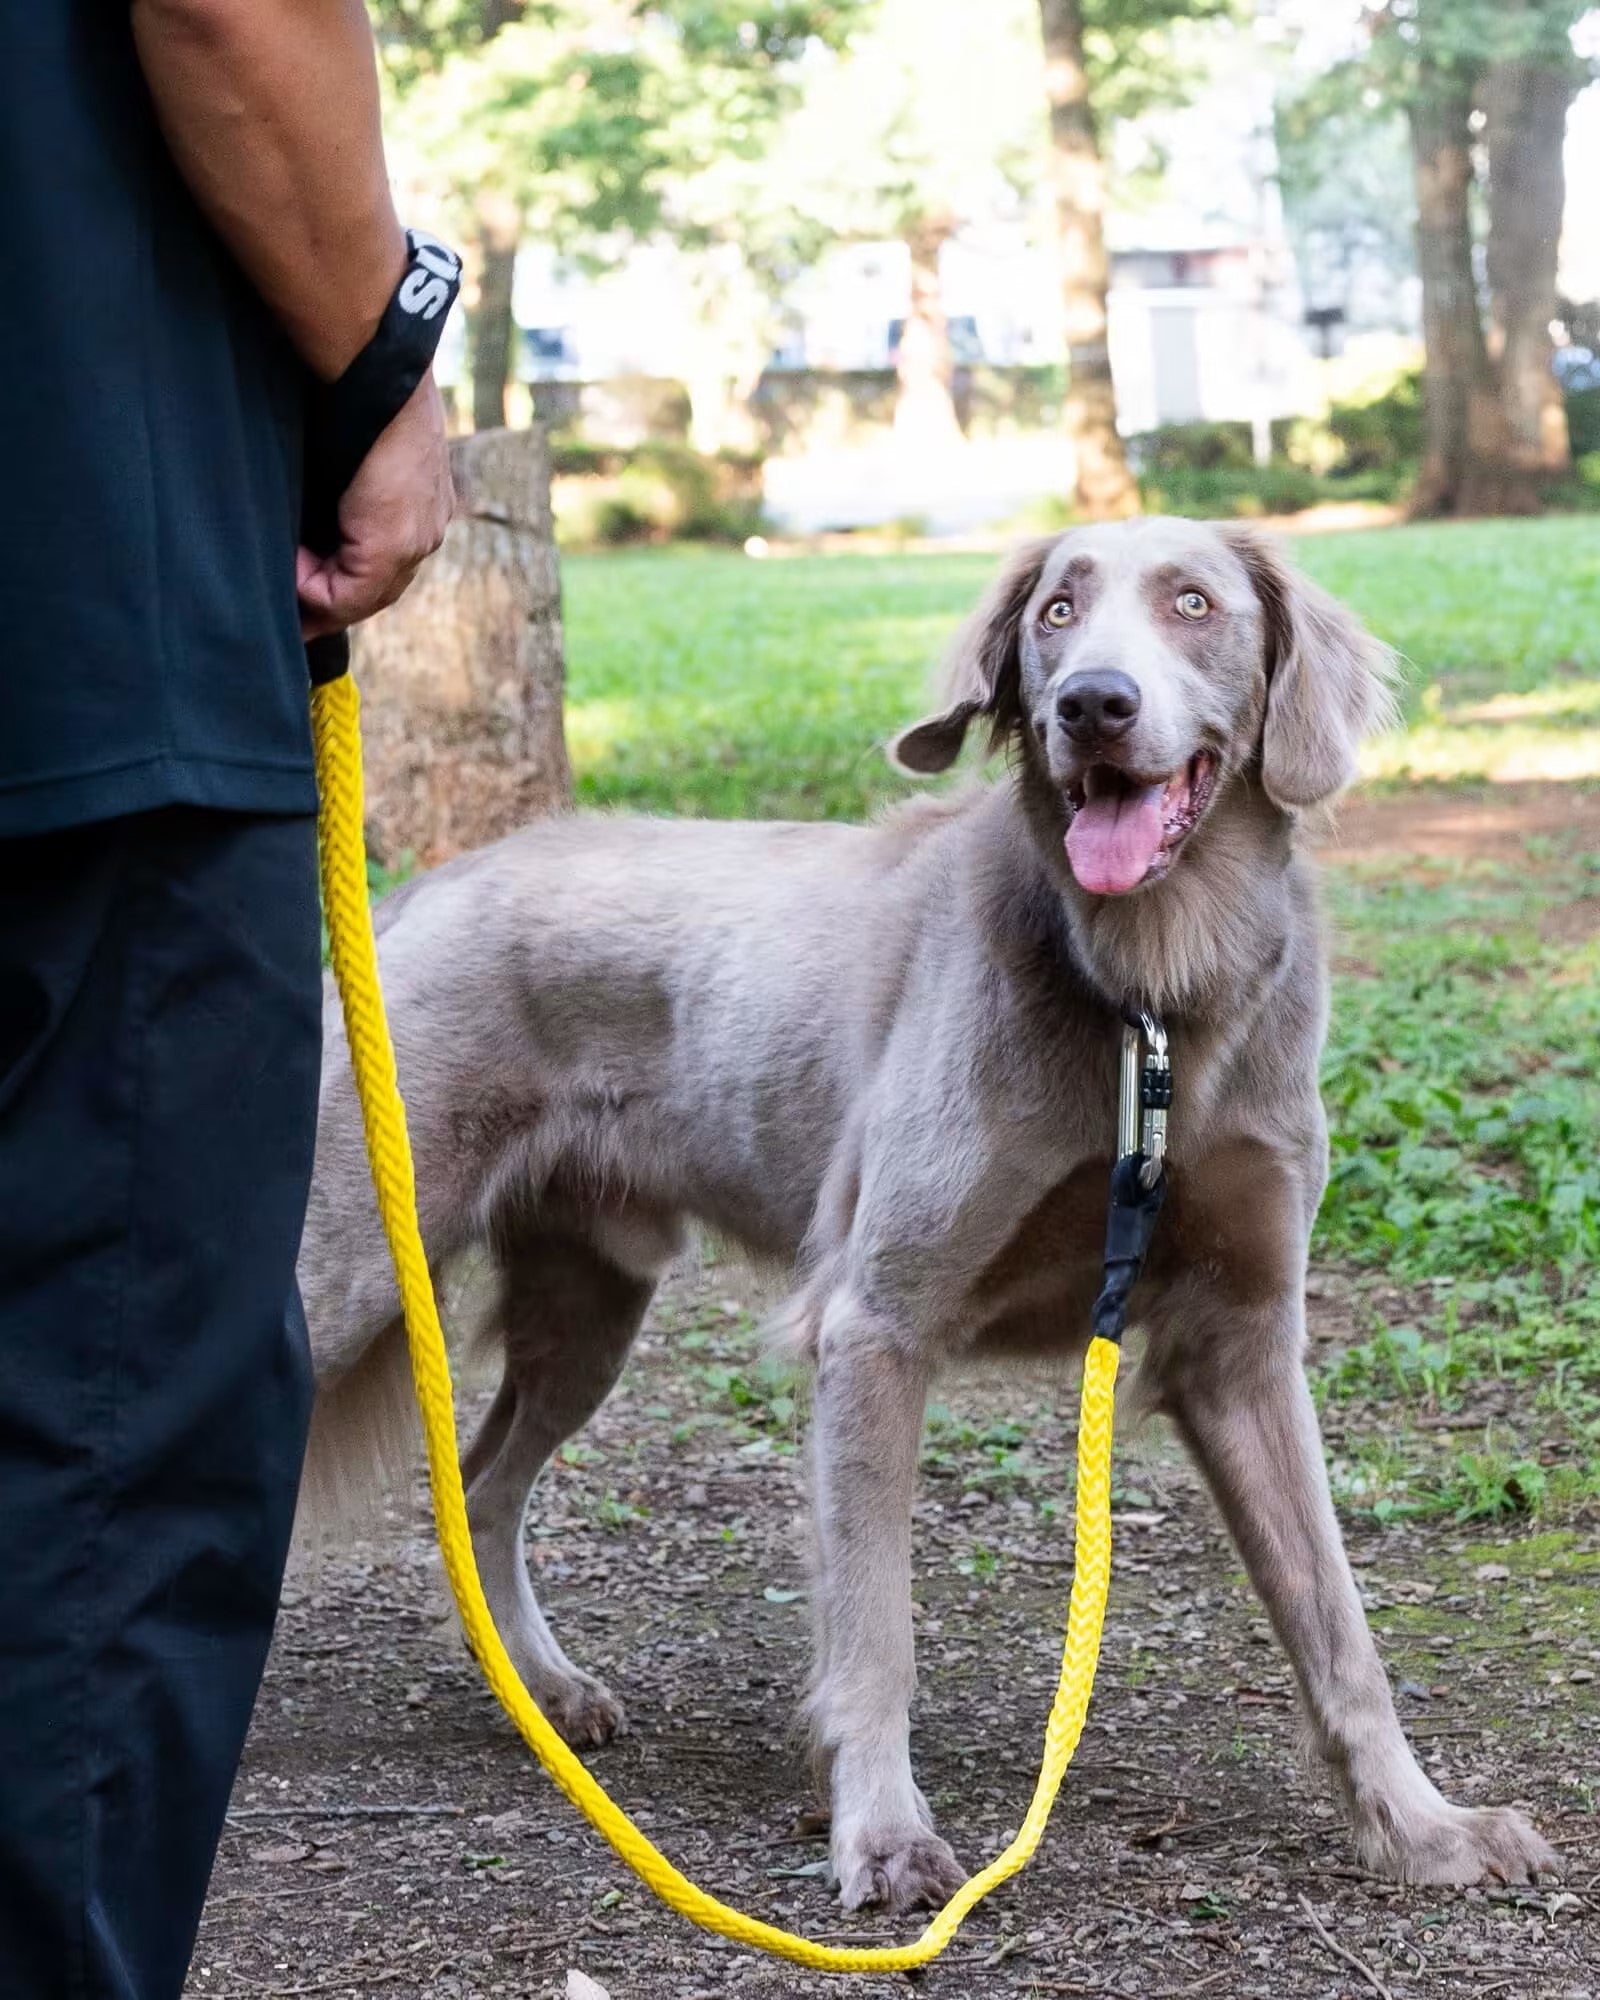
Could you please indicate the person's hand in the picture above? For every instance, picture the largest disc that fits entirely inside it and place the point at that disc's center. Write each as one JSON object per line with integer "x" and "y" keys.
{"x": 391, "y": 519}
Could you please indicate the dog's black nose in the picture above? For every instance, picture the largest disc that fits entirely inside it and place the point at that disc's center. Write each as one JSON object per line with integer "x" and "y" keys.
{"x": 1098, "y": 706}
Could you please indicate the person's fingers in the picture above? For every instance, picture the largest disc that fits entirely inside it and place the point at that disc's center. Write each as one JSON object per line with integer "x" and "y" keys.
{"x": 332, "y": 598}
{"x": 333, "y": 594}
{"x": 312, "y": 589}
{"x": 391, "y": 520}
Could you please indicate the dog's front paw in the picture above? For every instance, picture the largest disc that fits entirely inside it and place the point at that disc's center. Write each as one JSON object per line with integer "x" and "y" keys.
{"x": 1462, "y": 1847}
{"x": 585, "y": 1710}
{"x": 898, "y": 1869}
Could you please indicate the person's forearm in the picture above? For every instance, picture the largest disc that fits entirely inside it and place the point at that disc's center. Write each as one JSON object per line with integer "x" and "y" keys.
{"x": 271, "y": 110}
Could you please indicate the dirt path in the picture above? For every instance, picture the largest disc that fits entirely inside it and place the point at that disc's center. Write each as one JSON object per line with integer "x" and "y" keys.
{"x": 1463, "y": 823}
{"x": 672, "y": 1562}
{"x": 392, "y": 1838}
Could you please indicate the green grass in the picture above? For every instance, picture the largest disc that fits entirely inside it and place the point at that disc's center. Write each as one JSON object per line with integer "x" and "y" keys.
{"x": 1461, "y": 1087}
{"x": 702, "y": 682}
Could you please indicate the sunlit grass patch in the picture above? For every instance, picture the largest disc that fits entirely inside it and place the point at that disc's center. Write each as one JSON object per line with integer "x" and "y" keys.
{"x": 703, "y": 682}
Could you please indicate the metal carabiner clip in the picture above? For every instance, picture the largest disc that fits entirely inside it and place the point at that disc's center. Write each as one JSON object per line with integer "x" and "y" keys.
{"x": 1145, "y": 1097}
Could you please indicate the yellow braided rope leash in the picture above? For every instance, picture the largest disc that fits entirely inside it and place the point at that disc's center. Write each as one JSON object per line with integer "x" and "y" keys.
{"x": 336, "y": 718}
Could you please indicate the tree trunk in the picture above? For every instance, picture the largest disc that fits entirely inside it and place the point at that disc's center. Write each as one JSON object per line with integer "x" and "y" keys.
{"x": 1105, "y": 487}
{"x": 462, "y": 679}
{"x": 1469, "y": 465}
{"x": 925, "y": 407}
{"x": 493, "y": 328}
{"x": 1525, "y": 106}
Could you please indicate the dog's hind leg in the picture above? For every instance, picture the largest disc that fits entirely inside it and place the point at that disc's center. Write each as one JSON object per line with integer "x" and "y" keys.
{"x": 570, "y": 1314}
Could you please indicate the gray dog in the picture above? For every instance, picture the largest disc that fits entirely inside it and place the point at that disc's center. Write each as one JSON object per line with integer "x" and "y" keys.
{"x": 887, "y": 1056}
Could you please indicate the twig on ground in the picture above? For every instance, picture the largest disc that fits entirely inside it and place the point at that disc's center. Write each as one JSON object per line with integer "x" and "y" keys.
{"x": 242, "y": 1814}
{"x": 1006, "y": 1948}
{"x": 1180, "y": 1829}
{"x": 1356, "y": 1964}
{"x": 1071, "y": 1986}
{"x": 1200, "y": 1985}
{"x": 337, "y": 1985}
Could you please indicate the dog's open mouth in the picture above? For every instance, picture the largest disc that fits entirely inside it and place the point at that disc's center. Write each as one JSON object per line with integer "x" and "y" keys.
{"x": 1126, "y": 830}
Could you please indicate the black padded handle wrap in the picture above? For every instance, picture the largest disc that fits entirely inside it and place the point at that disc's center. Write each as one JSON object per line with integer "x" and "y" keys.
{"x": 345, "y": 419}
{"x": 1130, "y": 1224}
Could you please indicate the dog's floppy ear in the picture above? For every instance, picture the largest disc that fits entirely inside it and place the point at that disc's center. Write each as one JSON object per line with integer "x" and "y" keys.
{"x": 984, "y": 672}
{"x": 1328, "y": 680}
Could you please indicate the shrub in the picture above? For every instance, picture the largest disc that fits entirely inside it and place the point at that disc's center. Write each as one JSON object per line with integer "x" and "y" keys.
{"x": 660, "y": 491}
{"x": 714, "y": 499}
{"x": 1382, "y": 434}
{"x": 570, "y": 459}
{"x": 619, "y": 520}
{"x": 1228, "y": 493}
{"x": 1200, "y": 447}
{"x": 1583, "y": 421}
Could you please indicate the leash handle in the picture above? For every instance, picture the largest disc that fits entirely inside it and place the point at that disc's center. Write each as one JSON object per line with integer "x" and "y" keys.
{"x": 345, "y": 419}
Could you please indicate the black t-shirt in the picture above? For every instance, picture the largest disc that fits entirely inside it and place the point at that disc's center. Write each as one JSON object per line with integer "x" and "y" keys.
{"x": 149, "y": 462}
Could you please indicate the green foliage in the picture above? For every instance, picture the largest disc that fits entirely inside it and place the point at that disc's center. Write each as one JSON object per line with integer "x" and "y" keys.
{"x": 1226, "y": 494}
{"x": 658, "y": 491}
{"x": 1464, "y": 1108}
{"x": 1463, "y": 1103}
{"x": 584, "y": 112}
{"x": 1362, "y": 450}
{"x": 1344, "y": 171}
{"x": 1383, "y": 433}
{"x": 1418, "y": 45}
{"x": 1343, "y": 146}
{"x": 1583, "y": 422}
{"x": 923, "y": 121}
{"x": 951, "y": 1444}
{"x": 1142, "y": 55}
{"x": 1199, "y": 447}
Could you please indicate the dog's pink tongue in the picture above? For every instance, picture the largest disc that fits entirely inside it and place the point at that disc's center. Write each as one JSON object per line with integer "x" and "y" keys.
{"x": 1113, "y": 840}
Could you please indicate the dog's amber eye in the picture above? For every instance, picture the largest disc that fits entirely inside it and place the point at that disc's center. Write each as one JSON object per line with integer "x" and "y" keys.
{"x": 1058, "y": 612}
{"x": 1192, "y": 605}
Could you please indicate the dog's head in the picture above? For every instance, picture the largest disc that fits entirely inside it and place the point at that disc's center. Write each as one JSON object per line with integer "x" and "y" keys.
{"x": 1142, "y": 667}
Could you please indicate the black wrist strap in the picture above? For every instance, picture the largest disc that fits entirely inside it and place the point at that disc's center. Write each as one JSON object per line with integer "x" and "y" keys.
{"x": 345, "y": 419}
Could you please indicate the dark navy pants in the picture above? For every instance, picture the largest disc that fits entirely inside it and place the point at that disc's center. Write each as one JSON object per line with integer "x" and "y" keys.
{"x": 159, "y": 1027}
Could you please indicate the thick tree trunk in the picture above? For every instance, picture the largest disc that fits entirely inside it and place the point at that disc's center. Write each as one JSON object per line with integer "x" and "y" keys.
{"x": 1105, "y": 487}
{"x": 925, "y": 405}
{"x": 1469, "y": 464}
{"x": 1525, "y": 106}
{"x": 493, "y": 328}
{"x": 462, "y": 679}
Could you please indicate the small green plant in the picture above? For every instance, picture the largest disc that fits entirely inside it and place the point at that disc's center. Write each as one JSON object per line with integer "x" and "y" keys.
{"x": 762, "y": 1392}
{"x": 613, "y": 1513}
{"x": 980, "y": 1563}
{"x": 1494, "y": 1484}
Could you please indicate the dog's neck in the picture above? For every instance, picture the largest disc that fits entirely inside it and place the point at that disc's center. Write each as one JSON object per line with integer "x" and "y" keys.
{"x": 1208, "y": 932}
